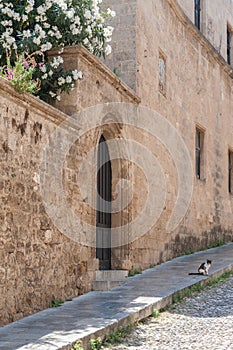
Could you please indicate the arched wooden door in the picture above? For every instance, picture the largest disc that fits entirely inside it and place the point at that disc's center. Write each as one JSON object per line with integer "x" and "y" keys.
{"x": 104, "y": 197}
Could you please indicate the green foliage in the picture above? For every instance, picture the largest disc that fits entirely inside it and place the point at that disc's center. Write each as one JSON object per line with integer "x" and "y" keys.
{"x": 217, "y": 244}
{"x": 96, "y": 344}
{"x": 134, "y": 272}
{"x": 116, "y": 72}
{"x": 155, "y": 313}
{"x": 198, "y": 287}
{"x": 189, "y": 252}
{"x": 21, "y": 74}
{"x": 42, "y": 25}
{"x": 118, "y": 335}
{"x": 56, "y": 302}
{"x": 177, "y": 298}
{"x": 221, "y": 278}
{"x": 77, "y": 346}
{"x": 214, "y": 245}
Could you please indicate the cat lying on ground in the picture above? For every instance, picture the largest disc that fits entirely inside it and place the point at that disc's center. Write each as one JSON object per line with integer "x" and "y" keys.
{"x": 203, "y": 269}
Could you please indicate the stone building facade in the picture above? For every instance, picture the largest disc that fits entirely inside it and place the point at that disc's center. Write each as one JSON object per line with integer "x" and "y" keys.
{"x": 182, "y": 72}
{"x": 176, "y": 151}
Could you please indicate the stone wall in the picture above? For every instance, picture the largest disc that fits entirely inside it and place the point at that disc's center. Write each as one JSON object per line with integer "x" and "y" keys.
{"x": 123, "y": 56}
{"x": 39, "y": 262}
{"x": 197, "y": 93}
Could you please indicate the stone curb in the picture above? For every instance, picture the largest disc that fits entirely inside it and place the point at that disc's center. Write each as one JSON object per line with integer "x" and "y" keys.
{"x": 142, "y": 313}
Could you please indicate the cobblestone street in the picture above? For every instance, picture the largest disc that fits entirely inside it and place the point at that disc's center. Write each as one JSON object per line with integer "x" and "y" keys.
{"x": 204, "y": 321}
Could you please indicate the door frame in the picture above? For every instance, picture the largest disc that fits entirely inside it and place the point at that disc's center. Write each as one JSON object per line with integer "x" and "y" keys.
{"x": 103, "y": 205}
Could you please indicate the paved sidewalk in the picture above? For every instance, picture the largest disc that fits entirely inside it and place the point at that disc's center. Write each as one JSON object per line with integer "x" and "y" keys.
{"x": 95, "y": 313}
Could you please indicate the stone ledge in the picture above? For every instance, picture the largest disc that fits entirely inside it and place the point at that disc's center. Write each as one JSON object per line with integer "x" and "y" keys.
{"x": 119, "y": 85}
{"x": 33, "y": 103}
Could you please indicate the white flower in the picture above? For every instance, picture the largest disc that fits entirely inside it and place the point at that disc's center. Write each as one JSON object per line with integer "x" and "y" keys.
{"x": 77, "y": 20}
{"x": 26, "y": 33}
{"x": 41, "y": 10}
{"x": 43, "y": 68}
{"x": 111, "y": 13}
{"x": 28, "y": 9}
{"x": 48, "y": 4}
{"x": 61, "y": 81}
{"x": 60, "y": 60}
{"x": 37, "y": 28}
{"x": 46, "y": 25}
{"x": 68, "y": 79}
{"x": 36, "y": 41}
{"x": 61, "y": 50}
{"x": 55, "y": 32}
{"x": 16, "y": 17}
{"x": 89, "y": 31}
{"x": 24, "y": 18}
{"x": 87, "y": 14}
{"x": 108, "y": 33}
{"x": 57, "y": 61}
{"x": 77, "y": 74}
{"x": 42, "y": 34}
{"x": 75, "y": 31}
{"x": 6, "y": 23}
{"x": 85, "y": 41}
{"x": 46, "y": 47}
{"x": 8, "y": 40}
{"x": 52, "y": 94}
{"x": 62, "y": 4}
{"x": 29, "y": 6}
{"x": 70, "y": 13}
{"x": 108, "y": 50}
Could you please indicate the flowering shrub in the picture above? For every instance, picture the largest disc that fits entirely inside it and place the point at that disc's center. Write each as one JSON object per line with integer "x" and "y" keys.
{"x": 36, "y": 26}
{"x": 21, "y": 75}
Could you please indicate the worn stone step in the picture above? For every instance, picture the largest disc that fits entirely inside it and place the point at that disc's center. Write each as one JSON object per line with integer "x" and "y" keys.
{"x": 110, "y": 275}
{"x": 100, "y": 286}
{"x": 108, "y": 279}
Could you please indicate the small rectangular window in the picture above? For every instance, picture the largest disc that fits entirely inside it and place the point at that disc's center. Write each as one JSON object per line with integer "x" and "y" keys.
{"x": 197, "y": 13}
{"x": 199, "y": 154}
{"x": 230, "y": 171}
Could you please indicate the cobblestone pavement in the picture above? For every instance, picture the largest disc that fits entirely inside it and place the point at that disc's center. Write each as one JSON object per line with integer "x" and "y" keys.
{"x": 204, "y": 321}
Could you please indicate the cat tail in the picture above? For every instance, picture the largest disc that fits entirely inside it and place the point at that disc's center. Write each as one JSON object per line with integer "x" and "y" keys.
{"x": 196, "y": 274}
